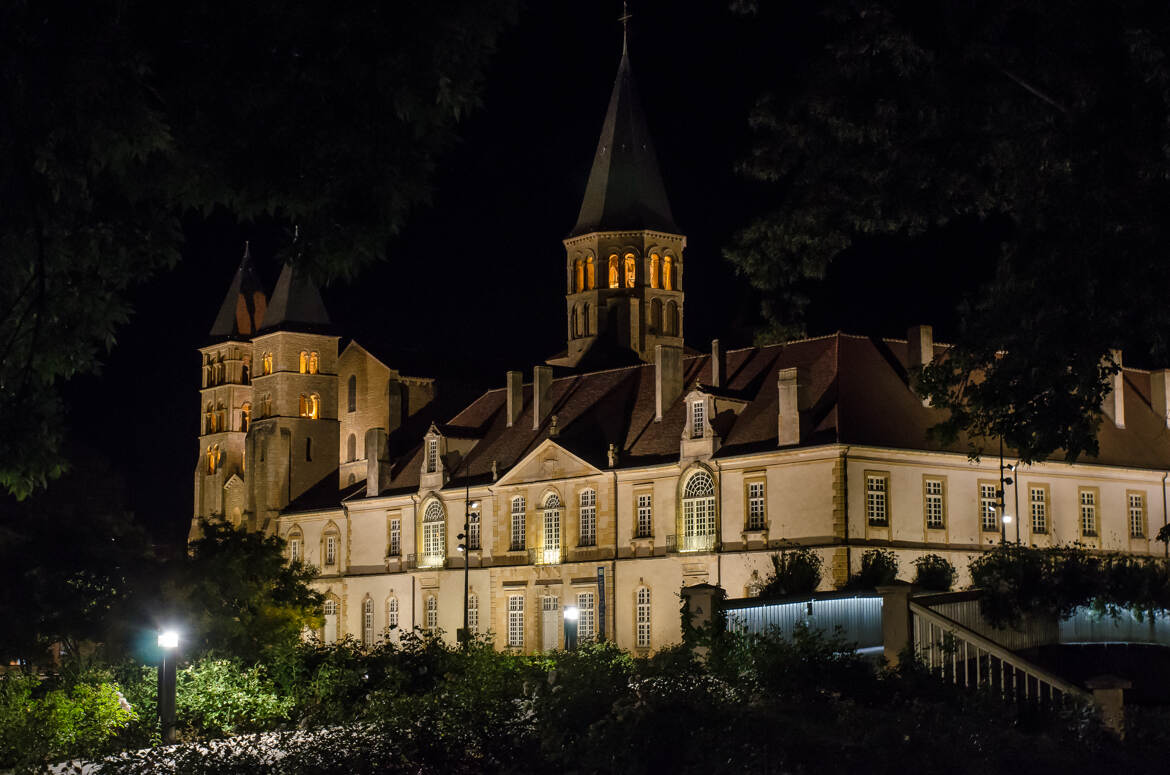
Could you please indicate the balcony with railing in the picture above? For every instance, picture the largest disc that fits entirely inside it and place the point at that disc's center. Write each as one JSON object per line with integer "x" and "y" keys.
{"x": 545, "y": 555}
{"x": 431, "y": 561}
{"x": 690, "y": 543}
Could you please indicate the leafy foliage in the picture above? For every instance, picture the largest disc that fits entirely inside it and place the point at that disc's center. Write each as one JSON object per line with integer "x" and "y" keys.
{"x": 1034, "y": 122}
{"x": 878, "y": 567}
{"x": 219, "y": 697}
{"x": 934, "y": 572}
{"x": 794, "y": 572}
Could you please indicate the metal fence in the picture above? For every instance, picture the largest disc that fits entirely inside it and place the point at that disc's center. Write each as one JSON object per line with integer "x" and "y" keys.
{"x": 1089, "y": 626}
{"x": 855, "y": 618}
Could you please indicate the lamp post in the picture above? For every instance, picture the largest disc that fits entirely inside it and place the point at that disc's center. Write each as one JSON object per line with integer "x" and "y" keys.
{"x": 168, "y": 642}
{"x": 572, "y": 614}
{"x": 465, "y": 547}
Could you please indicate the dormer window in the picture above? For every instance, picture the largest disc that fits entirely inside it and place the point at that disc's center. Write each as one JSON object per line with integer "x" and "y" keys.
{"x": 432, "y": 455}
{"x": 698, "y": 418}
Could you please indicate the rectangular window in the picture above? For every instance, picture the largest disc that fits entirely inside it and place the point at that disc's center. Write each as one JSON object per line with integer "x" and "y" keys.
{"x": 392, "y": 613}
{"x": 368, "y": 623}
{"x": 432, "y": 455}
{"x": 395, "y": 537}
{"x": 1137, "y": 514}
{"x": 933, "y": 504}
{"x": 517, "y": 544}
{"x": 1088, "y": 499}
{"x": 756, "y": 511}
{"x": 642, "y": 618}
{"x": 988, "y": 506}
{"x": 877, "y": 492}
{"x": 1038, "y": 500}
{"x": 473, "y": 613}
{"x": 698, "y": 413}
{"x": 473, "y": 531}
{"x": 433, "y": 548}
{"x": 294, "y": 550}
{"x": 586, "y": 624}
{"x": 645, "y": 524}
{"x": 588, "y": 518}
{"x": 330, "y": 550}
{"x": 432, "y": 618}
{"x": 516, "y": 621}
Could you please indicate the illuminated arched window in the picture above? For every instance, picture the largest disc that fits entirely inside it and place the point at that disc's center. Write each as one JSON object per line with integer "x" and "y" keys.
{"x": 585, "y": 319}
{"x": 671, "y": 322}
{"x": 656, "y": 315}
{"x": 351, "y": 449}
{"x": 615, "y": 275}
{"x": 245, "y": 416}
{"x": 551, "y": 535}
{"x": 655, "y": 271}
{"x": 304, "y": 405}
{"x": 590, "y": 274}
{"x": 668, "y": 273}
{"x": 314, "y": 407}
{"x": 698, "y": 513}
{"x": 631, "y": 270}
{"x": 212, "y": 458}
{"x": 266, "y": 364}
{"x": 314, "y": 363}
{"x": 304, "y": 362}
{"x": 579, "y": 275}
{"x": 434, "y": 535}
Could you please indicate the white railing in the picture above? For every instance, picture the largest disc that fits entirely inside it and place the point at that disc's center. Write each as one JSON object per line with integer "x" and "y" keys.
{"x": 431, "y": 561}
{"x": 965, "y": 657}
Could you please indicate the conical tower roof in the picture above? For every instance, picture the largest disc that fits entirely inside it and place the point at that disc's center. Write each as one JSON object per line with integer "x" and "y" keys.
{"x": 296, "y": 304}
{"x": 625, "y": 188}
{"x": 244, "y": 306}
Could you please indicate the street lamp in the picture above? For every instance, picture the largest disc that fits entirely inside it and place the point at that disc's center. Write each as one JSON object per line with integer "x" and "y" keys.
{"x": 572, "y": 614}
{"x": 168, "y": 642}
{"x": 469, "y": 506}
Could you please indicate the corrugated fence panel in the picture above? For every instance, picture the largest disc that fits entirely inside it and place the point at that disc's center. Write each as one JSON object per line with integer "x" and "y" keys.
{"x": 859, "y": 618}
{"x": 1030, "y": 634}
{"x": 1087, "y": 626}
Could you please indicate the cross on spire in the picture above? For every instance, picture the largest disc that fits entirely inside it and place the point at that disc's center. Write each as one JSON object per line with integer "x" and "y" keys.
{"x": 625, "y": 20}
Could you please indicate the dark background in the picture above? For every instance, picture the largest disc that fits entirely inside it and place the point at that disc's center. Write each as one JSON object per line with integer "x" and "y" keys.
{"x": 474, "y": 285}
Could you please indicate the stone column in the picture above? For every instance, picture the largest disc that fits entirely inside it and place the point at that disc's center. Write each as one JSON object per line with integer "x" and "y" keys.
{"x": 896, "y": 633}
{"x": 1109, "y": 697}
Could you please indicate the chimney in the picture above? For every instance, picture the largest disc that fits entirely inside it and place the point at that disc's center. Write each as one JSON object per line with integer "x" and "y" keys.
{"x": 1160, "y": 395}
{"x": 793, "y": 389}
{"x": 515, "y": 388}
{"x": 668, "y": 378}
{"x": 541, "y": 400}
{"x": 919, "y": 346}
{"x": 718, "y": 364}
{"x": 1114, "y": 403}
{"x": 377, "y": 461}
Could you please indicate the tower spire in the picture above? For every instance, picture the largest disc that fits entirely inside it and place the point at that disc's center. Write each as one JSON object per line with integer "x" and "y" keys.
{"x": 625, "y": 20}
{"x": 244, "y": 305}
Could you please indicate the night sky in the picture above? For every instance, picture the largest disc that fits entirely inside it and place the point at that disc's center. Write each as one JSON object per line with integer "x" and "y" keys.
{"x": 474, "y": 285}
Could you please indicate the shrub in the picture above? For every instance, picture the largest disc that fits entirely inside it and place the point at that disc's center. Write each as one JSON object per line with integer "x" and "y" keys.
{"x": 934, "y": 572}
{"x": 219, "y": 697}
{"x": 794, "y": 572}
{"x": 878, "y": 567}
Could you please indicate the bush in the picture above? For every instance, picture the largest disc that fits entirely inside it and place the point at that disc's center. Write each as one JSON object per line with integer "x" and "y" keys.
{"x": 220, "y": 697}
{"x": 878, "y": 568}
{"x": 934, "y": 572}
{"x": 794, "y": 572}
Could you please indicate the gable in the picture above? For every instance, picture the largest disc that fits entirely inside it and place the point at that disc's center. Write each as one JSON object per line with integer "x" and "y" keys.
{"x": 548, "y": 461}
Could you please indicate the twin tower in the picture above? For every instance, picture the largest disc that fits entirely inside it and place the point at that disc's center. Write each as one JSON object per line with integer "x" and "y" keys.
{"x": 270, "y": 398}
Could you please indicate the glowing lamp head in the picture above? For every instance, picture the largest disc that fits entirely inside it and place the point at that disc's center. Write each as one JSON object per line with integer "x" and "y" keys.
{"x": 1007, "y": 519}
{"x": 571, "y": 613}
{"x": 168, "y": 639}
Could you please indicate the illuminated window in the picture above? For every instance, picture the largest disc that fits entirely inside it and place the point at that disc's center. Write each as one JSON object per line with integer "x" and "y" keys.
{"x": 644, "y": 524}
{"x": 631, "y": 270}
{"x": 698, "y": 513}
{"x": 314, "y": 363}
{"x": 588, "y": 518}
{"x": 351, "y": 391}
{"x": 988, "y": 505}
{"x": 395, "y": 538}
{"x": 245, "y": 416}
{"x": 642, "y": 618}
{"x": 933, "y": 505}
{"x": 668, "y": 273}
{"x": 473, "y": 613}
{"x": 266, "y": 364}
{"x": 473, "y": 531}
{"x": 615, "y": 274}
{"x": 590, "y": 274}
{"x": 698, "y": 419}
{"x": 311, "y": 406}
{"x": 1088, "y": 500}
{"x": 756, "y": 506}
{"x": 877, "y": 490}
{"x": 432, "y": 455}
{"x": 655, "y": 271}
{"x": 392, "y": 613}
{"x": 331, "y": 550}
{"x": 671, "y": 322}
{"x": 434, "y": 535}
{"x": 579, "y": 275}
{"x": 516, "y": 621}
{"x": 517, "y": 524}
{"x": 1038, "y": 498}
{"x": 214, "y": 456}
{"x": 431, "y": 623}
{"x": 351, "y": 448}
{"x": 655, "y": 315}
{"x": 368, "y": 623}
{"x": 586, "y": 613}
{"x": 552, "y": 529}
{"x": 304, "y": 362}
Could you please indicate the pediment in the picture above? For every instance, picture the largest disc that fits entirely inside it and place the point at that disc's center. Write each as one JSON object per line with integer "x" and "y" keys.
{"x": 548, "y": 461}
{"x": 233, "y": 482}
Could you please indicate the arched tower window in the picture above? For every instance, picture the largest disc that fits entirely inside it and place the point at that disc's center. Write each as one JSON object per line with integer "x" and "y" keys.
{"x": 434, "y": 535}
{"x": 351, "y": 448}
{"x": 668, "y": 273}
{"x": 304, "y": 362}
{"x": 245, "y": 416}
{"x": 698, "y": 513}
{"x": 314, "y": 363}
{"x": 655, "y": 271}
{"x": 656, "y": 315}
{"x": 590, "y": 274}
{"x": 314, "y": 406}
{"x": 671, "y": 322}
{"x": 213, "y": 458}
{"x": 209, "y": 417}
{"x": 552, "y": 529}
{"x": 351, "y": 393}
{"x": 579, "y": 275}
{"x": 266, "y": 364}
{"x": 631, "y": 270}
{"x": 615, "y": 275}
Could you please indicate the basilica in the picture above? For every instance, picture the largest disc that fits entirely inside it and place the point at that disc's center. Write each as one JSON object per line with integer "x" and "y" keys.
{"x": 627, "y": 466}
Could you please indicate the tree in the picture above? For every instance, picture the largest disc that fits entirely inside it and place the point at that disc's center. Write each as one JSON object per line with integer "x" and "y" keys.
{"x": 122, "y": 117}
{"x": 1045, "y": 125}
{"x": 236, "y": 595}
